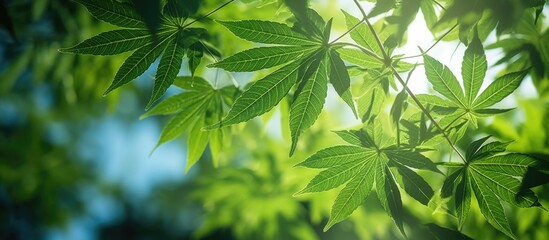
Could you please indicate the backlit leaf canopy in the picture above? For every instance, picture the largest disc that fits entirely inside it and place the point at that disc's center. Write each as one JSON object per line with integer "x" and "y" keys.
{"x": 369, "y": 163}
{"x": 308, "y": 62}
{"x": 493, "y": 176}
{"x": 171, "y": 41}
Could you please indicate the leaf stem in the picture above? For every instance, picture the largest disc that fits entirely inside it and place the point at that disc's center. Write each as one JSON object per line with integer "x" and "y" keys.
{"x": 433, "y": 45}
{"x": 347, "y": 32}
{"x": 207, "y": 15}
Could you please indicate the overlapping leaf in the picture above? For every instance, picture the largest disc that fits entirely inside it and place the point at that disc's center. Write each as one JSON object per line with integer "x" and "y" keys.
{"x": 364, "y": 165}
{"x": 198, "y": 106}
{"x": 171, "y": 40}
{"x": 493, "y": 177}
{"x": 308, "y": 62}
{"x": 469, "y": 104}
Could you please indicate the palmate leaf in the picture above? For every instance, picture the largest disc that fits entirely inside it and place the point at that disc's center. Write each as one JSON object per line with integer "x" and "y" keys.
{"x": 310, "y": 61}
{"x": 362, "y": 166}
{"x": 467, "y": 105}
{"x": 493, "y": 177}
{"x": 169, "y": 38}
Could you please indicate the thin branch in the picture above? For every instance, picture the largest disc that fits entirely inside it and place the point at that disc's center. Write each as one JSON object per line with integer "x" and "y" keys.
{"x": 347, "y": 32}
{"x": 433, "y": 45}
{"x": 440, "y": 5}
{"x": 371, "y": 27}
{"x": 207, "y": 15}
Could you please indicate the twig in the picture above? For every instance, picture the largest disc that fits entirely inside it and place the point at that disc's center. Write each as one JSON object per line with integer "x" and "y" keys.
{"x": 207, "y": 15}
{"x": 433, "y": 45}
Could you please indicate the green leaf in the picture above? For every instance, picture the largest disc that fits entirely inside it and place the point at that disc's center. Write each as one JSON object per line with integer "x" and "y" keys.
{"x": 339, "y": 77}
{"x": 194, "y": 54}
{"x": 308, "y": 104}
{"x": 491, "y": 208}
{"x": 450, "y": 183}
{"x": 473, "y": 148}
{"x": 176, "y": 103}
{"x": 501, "y": 174}
{"x": 197, "y": 140}
{"x": 349, "y": 137}
{"x": 382, "y": 6}
{"x": 261, "y": 58}
{"x": 413, "y": 184}
{"x": 388, "y": 194}
{"x": 499, "y": 89}
{"x": 193, "y": 84}
{"x": 167, "y": 69}
{"x": 463, "y": 200}
{"x": 137, "y": 63}
{"x": 114, "y": 12}
{"x": 112, "y": 42}
{"x": 434, "y": 100}
{"x": 336, "y": 156}
{"x": 180, "y": 122}
{"x": 333, "y": 177}
{"x": 359, "y": 58}
{"x": 262, "y": 95}
{"x": 352, "y": 195}
{"x": 473, "y": 68}
{"x": 443, "y": 80}
{"x": 490, "y": 149}
{"x": 266, "y": 32}
{"x": 362, "y": 34}
{"x": 411, "y": 159}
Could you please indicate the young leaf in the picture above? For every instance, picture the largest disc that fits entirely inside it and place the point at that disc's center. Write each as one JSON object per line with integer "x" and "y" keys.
{"x": 112, "y": 42}
{"x": 473, "y": 68}
{"x": 114, "y": 12}
{"x": 261, "y": 58}
{"x": 167, "y": 69}
{"x": 499, "y": 89}
{"x": 266, "y": 32}
{"x": 308, "y": 104}
{"x": 443, "y": 80}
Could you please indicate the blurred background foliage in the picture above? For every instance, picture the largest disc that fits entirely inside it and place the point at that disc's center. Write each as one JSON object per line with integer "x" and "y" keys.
{"x": 74, "y": 165}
